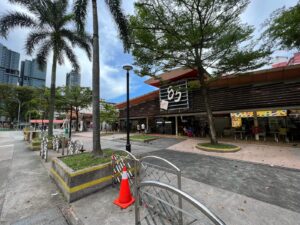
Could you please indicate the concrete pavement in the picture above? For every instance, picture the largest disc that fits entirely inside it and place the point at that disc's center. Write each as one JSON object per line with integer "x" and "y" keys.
{"x": 279, "y": 154}
{"x": 116, "y": 142}
{"x": 274, "y": 185}
{"x": 27, "y": 195}
{"x": 232, "y": 208}
{"x": 238, "y": 192}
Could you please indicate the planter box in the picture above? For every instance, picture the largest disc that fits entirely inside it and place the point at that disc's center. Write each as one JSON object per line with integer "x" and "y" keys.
{"x": 78, "y": 184}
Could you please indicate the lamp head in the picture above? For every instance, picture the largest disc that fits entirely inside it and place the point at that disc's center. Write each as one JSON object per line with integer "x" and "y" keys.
{"x": 127, "y": 67}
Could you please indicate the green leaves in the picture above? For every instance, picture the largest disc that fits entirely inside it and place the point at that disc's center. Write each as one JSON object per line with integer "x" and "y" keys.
{"x": 203, "y": 34}
{"x": 50, "y": 24}
{"x": 78, "y": 97}
{"x": 80, "y": 11}
{"x": 108, "y": 113}
{"x": 121, "y": 22}
{"x": 282, "y": 28}
{"x": 15, "y": 19}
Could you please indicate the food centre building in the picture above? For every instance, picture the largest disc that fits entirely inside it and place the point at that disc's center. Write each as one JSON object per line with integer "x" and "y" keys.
{"x": 265, "y": 103}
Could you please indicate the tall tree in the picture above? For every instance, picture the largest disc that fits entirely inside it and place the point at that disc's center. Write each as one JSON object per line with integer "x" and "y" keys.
{"x": 49, "y": 22}
{"x": 11, "y": 97}
{"x": 282, "y": 28}
{"x": 77, "y": 98}
{"x": 80, "y": 10}
{"x": 206, "y": 35}
{"x": 108, "y": 113}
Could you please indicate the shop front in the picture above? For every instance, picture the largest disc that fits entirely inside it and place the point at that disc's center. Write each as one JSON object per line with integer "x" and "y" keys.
{"x": 278, "y": 124}
{"x": 260, "y": 105}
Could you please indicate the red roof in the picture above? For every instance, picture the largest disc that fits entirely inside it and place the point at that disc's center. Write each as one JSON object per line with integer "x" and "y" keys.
{"x": 46, "y": 121}
{"x": 174, "y": 75}
{"x": 260, "y": 76}
{"x": 135, "y": 101}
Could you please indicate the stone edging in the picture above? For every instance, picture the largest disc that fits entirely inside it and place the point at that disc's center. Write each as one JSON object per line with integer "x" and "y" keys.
{"x": 220, "y": 150}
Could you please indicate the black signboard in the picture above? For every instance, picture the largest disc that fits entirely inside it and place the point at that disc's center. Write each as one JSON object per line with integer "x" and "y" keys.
{"x": 174, "y": 96}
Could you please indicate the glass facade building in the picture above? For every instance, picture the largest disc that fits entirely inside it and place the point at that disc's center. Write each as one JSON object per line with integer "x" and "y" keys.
{"x": 73, "y": 79}
{"x": 9, "y": 66}
{"x": 32, "y": 74}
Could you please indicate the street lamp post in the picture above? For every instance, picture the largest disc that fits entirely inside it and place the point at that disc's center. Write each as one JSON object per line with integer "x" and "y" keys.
{"x": 128, "y": 68}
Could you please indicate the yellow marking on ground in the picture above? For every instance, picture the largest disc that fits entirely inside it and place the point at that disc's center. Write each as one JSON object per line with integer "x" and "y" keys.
{"x": 65, "y": 186}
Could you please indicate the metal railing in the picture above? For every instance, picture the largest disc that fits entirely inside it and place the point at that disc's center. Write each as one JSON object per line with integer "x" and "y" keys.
{"x": 154, "y": 168}
{"x": 158, "y": 209}
{"x": 74, "y": 147}
{"x": 119, "y": 161}
{"x": 44, "y": 148}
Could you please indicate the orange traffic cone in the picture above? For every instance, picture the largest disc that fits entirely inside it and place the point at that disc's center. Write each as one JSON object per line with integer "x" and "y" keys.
{"x": 125, "y": 199}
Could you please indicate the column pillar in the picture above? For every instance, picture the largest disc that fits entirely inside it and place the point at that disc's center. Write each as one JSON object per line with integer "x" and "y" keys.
{"x": 176, "y": 125}
{"x": 256, "y": 125}
{"x": 147, "y": 124}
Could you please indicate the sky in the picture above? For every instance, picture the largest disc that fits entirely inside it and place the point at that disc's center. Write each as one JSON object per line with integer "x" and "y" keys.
{"x": 112, "y": 56}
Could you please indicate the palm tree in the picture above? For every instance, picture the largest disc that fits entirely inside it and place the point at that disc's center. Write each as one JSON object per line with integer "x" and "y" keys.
{"x": 80, "y": 10}
{"x": 49, "y": 22}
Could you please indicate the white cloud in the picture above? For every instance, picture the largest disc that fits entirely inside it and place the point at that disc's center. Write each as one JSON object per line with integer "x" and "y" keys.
{"x": 112, "y": 79}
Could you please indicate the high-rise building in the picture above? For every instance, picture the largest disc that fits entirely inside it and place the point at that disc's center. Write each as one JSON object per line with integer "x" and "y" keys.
{"x": 73, "y": 79}
{"x": 9, "y": 65}
{"x": 31, "y": 74}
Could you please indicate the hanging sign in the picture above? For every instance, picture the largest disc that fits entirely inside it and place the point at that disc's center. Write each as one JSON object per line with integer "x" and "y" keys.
{"x": 242, "y": 114}
{"x": 236, "y": 122}
{"x": 270, "y": 113}
{"x": 265, "y": 113}
{"x": 164, "y": 104}
{"x": 175, "y": 94}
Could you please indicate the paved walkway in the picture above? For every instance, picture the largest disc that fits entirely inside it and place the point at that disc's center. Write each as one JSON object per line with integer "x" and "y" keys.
{"x": 279, "y": 155}
{"x": 27, "y": 195}
{"x": 232, "y": 208}
{"x": 238, "y": 192}
{"x": 277, "y": 186}
{"x": 116, "y": 142}
{"x": 275, "y": 154}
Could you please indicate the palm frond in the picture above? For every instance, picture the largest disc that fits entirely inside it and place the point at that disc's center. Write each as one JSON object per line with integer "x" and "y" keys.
{"x": 31, "y": 5}
{"x": 14, "y": 19}
{"x": 66, "y": 19}
{"x": 71, "y": 56}
{"x": 33, "y": 39}
{"x": 80, "y": 11}
{"x": 81, "y": 40}
{"x": 121, "y": 21}
{"x": 43, "y": 53}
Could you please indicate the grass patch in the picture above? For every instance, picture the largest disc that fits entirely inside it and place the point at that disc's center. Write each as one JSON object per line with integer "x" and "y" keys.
{"x": 84, "y": 160}
{"x": 142, "y": 137}
{"x": 220, "y": 147}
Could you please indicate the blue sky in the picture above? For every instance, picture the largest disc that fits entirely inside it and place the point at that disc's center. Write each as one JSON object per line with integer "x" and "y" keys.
{"x": 112, "y": 77}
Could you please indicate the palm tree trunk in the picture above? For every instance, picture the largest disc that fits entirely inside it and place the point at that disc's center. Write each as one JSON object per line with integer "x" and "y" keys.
{"x": 52, "y": 96}
{"x": 96, "y": 83}
{"x": 204, "y": 92}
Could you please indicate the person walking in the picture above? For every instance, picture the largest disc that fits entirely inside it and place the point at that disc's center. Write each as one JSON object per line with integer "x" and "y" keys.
{"x": 138, "y": 128}
{"x": 143, "y": 128}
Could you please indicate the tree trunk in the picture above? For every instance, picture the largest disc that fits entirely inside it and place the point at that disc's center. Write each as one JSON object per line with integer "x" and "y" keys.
{"x": 96, "y": 84}
{"x": 204, "y": 92}
{"x": 70, "y": 124}
{"x": 52, "y": 96}
{"x": 77, "y": 119}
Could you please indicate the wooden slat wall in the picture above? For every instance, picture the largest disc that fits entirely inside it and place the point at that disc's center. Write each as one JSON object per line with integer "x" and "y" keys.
{"x": 230, "y": 98}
